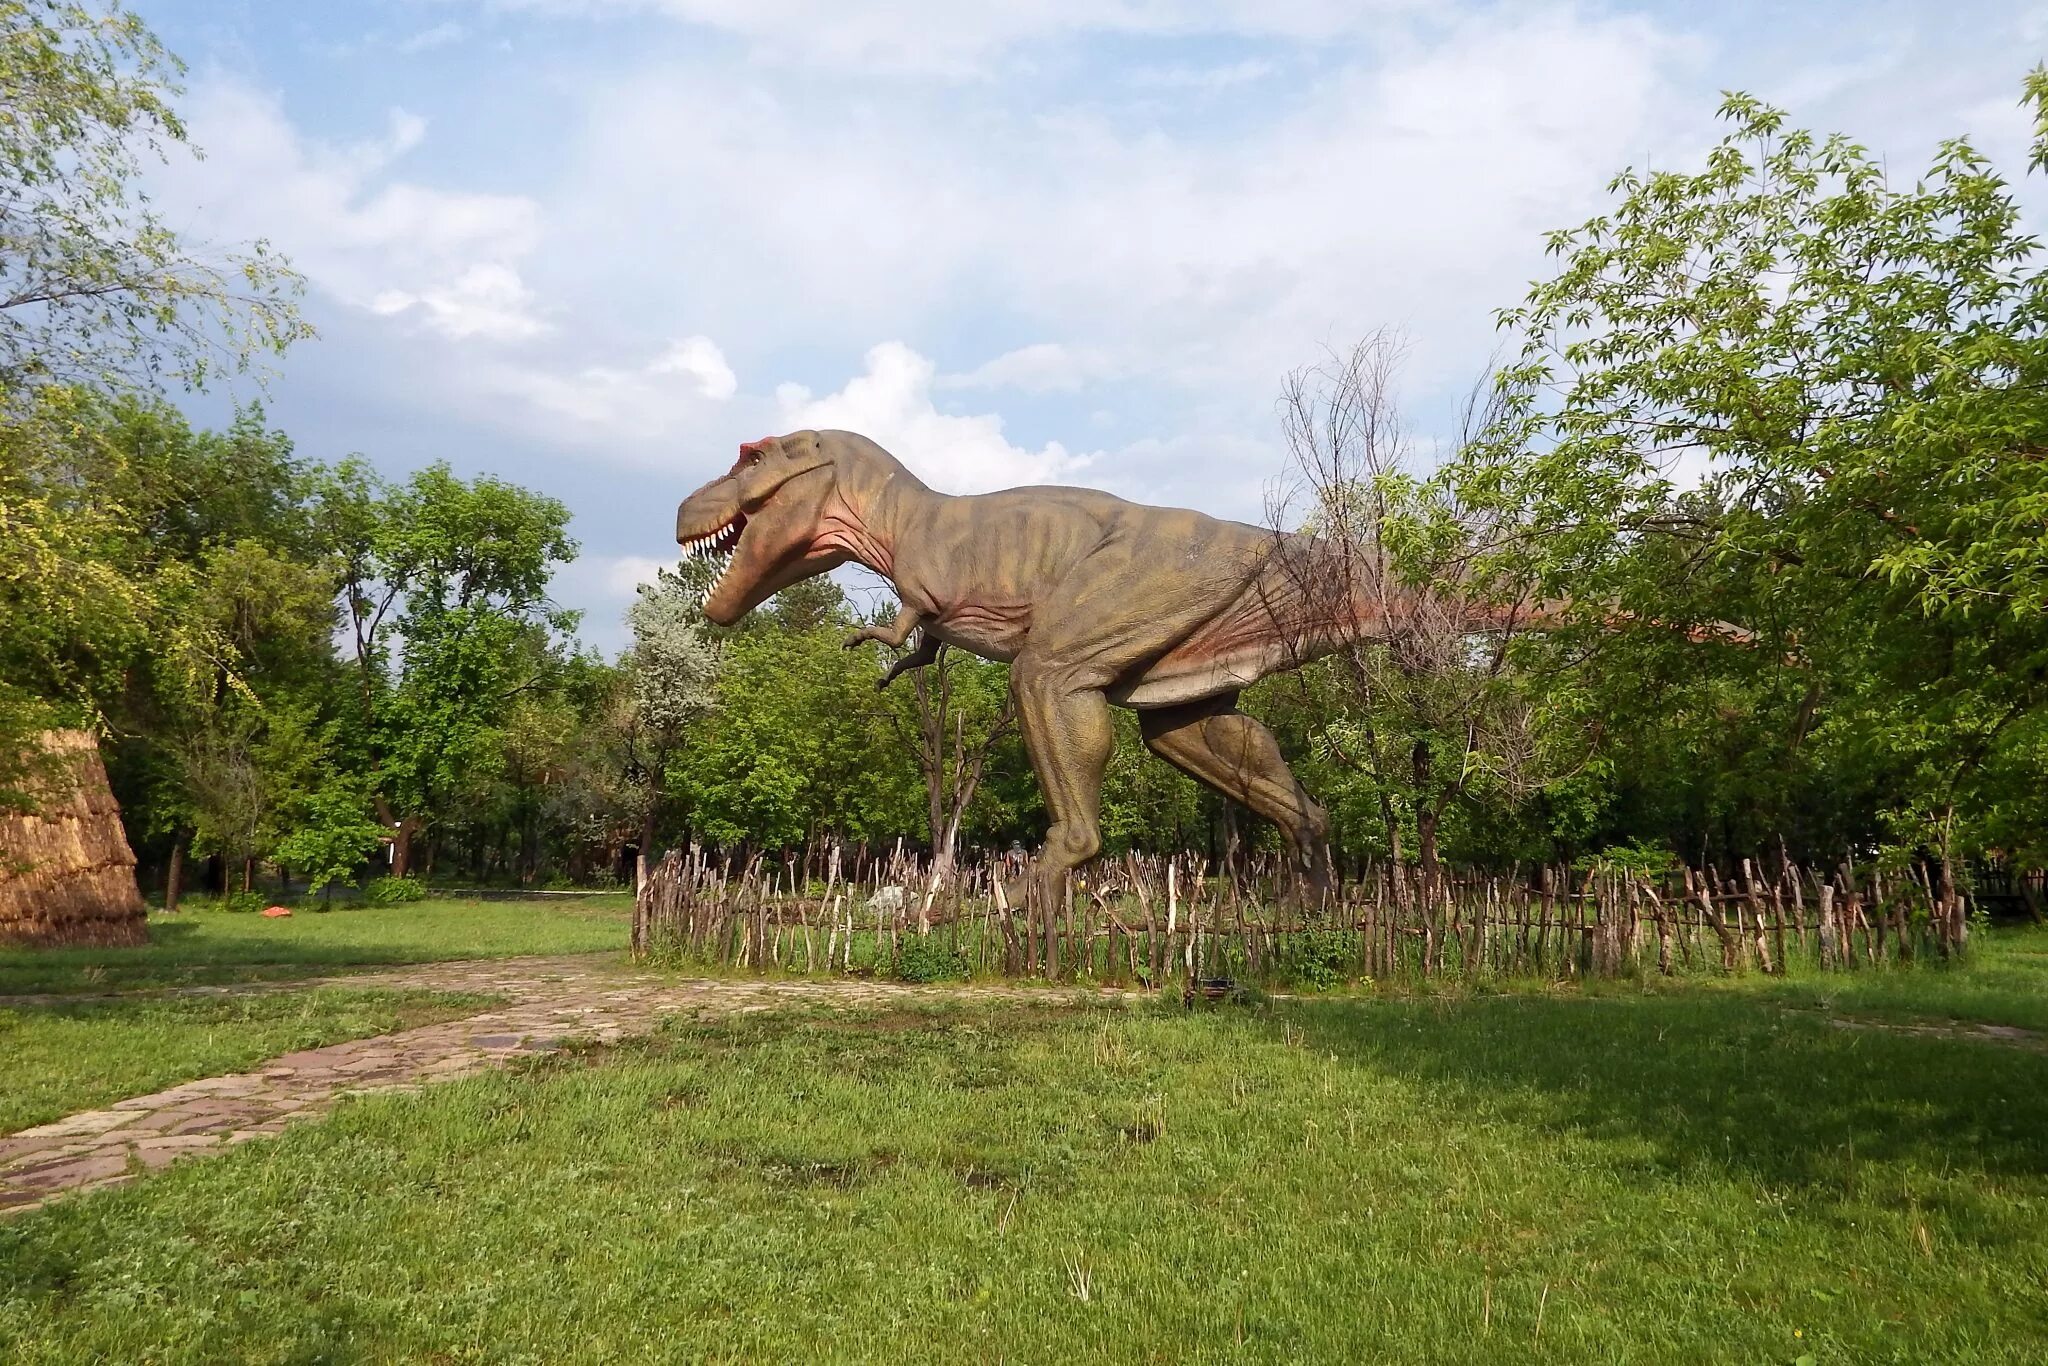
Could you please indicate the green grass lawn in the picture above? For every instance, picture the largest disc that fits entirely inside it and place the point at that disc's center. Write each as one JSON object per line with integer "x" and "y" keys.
{"x": 58, "y": 1059}
{"x": 1682, "y": 1175}
{"x": 2004, "y": 982}
{"x": 206, "y": 946}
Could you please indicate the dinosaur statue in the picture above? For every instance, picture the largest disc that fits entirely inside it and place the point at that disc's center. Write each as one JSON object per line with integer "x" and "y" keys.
{"x": 1092, "y": 600}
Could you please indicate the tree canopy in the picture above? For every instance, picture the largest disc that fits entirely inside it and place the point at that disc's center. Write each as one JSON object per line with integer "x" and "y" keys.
{"x": 1787, "y": 392}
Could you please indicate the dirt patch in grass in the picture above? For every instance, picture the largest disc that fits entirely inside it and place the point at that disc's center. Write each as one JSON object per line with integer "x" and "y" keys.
{"x": 2012, "y": 1036}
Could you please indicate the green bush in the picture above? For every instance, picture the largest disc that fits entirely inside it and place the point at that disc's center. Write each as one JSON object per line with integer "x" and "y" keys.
{"x": 927, "y": 958}
{"x": 244, "y": 902}
{"x": 391, "y": 891}
{"x": 1320, "y": 959}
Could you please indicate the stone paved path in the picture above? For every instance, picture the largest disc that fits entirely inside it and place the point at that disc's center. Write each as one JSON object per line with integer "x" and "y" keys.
{"x": 550, "y": 1000}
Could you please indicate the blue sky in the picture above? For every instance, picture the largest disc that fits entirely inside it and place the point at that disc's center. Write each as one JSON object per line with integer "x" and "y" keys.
{"x": 592, "y": 245}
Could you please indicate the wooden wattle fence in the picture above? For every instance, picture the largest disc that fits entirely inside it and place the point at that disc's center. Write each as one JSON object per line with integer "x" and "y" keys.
{"x": 1160, "y": 920}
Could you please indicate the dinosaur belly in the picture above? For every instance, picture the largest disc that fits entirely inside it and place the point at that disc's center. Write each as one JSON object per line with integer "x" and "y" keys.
{"x": 1183, "y": 676}
{"x": 991, "y": 632}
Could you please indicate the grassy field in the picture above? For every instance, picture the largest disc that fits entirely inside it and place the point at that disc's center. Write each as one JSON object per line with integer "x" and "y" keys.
{"x": 1691, "y": 1173}
{"x": 58, "y": 1059}
{"x": 206, "y": 946}
{"x": 2005, "y": 982}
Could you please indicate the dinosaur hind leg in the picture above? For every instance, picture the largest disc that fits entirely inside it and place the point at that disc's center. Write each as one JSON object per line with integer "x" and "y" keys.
{"x": 1215, "y": 743}
{"x": 1068, "y": 736}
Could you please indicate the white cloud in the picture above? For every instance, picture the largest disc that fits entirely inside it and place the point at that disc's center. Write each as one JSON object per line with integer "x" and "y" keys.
{"x": 948, "y": 38}
{"x": 623, "y": 574}
{"x": 408, "y": 130}
{"x": 1218, "y": 77}
{"x": 487, "y": 300}
{"x": 622, "y": 411}
{"x": 1042, "y": 368}
{"x": 358, "y": 234}
{"x": 699, "y": 358}
{"x": 683, "y": 410}
{"x": 892, "y": 404}
{"x": 427, "y": 39}
{"x": 1409, "y": 192}
{"x": 603, "y": 587}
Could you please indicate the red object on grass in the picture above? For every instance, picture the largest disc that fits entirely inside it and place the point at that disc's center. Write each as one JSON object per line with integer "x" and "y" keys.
{"x": 274, "y": 912}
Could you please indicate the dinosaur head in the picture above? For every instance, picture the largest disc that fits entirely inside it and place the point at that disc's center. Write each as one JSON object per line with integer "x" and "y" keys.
{"x": 765, "y": 520}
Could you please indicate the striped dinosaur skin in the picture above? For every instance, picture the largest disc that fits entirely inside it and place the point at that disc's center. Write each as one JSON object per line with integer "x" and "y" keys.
{"x": 1092, "y": 600}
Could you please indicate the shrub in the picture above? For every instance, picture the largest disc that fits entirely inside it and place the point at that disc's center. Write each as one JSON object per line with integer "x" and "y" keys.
{"x": 244, "y": 902}
{"x": 1320, "y": 959}
{"x": 391, "y": 891}
{"x": 927, "y": 958}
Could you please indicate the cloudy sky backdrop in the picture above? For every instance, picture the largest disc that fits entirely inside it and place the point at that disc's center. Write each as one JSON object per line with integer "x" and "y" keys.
{"x": 592, "y": 245}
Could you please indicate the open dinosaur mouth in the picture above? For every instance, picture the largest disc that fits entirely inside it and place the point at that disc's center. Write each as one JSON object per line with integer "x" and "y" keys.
{"x": 718, "y": 545}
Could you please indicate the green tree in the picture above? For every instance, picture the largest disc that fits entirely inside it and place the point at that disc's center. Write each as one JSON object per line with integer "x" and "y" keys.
{"x": 797, "y": 746}
{"x": 220, "y": 517}
{"x": 97, "y": 294}
{"x": 333, "y": 834}
{"x": 1787, "y": 392}
{"x": 444, "y": 600}
{"x": 158, "y": 572}
{"x": 95, "y": 288}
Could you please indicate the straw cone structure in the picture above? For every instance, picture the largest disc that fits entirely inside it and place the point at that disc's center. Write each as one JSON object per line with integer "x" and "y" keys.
{"x": 67, "y": 875}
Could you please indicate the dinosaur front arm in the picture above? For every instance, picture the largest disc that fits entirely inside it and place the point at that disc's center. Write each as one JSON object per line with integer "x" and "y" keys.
{"x": 926, "y": 652}
{"x": 893, "y": 635}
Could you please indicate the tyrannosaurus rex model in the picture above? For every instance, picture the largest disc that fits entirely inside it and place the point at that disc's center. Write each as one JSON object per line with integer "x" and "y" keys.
{"x": 1093, "y": 601}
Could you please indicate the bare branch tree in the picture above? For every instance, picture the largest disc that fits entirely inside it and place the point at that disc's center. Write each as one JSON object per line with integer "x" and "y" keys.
{"x": 951, "y": 734}
{"x": 1379, "y": 564}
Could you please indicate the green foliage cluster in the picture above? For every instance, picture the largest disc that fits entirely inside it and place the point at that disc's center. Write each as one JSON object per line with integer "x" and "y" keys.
{"x": 394, "y": 891}
{"x": 96, "y": 290}
{"x": 1794, "y": 393}
{"x": 1769, "y": 451}
{"x": 929, "y": 958}
{"x": 1320, "y": 959}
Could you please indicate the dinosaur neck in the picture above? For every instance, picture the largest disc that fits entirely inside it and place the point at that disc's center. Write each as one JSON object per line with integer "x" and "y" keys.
{"x": 876, "y": 505}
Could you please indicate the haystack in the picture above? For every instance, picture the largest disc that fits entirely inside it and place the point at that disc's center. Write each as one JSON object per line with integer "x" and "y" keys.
{"x": 67, "y": 875}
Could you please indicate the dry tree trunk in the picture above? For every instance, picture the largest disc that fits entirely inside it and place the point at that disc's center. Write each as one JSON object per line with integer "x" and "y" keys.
{"x": 174, "y": 877}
